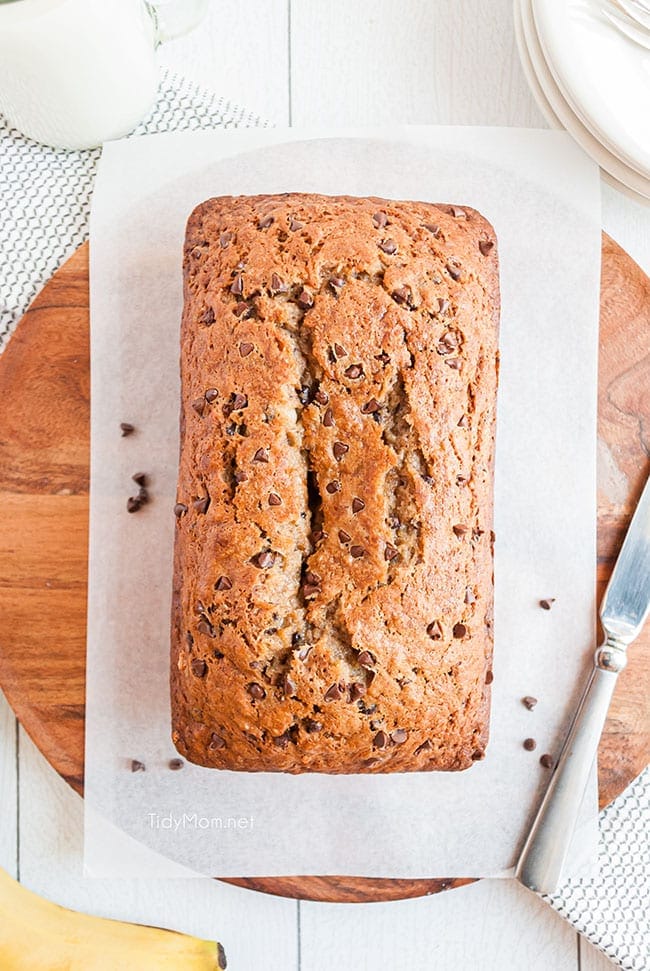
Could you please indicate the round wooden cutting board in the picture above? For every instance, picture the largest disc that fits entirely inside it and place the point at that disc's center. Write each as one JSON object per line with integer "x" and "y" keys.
{"x": 44, "y": 476}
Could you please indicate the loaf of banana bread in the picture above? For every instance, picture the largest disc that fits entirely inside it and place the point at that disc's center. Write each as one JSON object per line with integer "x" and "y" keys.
{"x": 333, "y": 580}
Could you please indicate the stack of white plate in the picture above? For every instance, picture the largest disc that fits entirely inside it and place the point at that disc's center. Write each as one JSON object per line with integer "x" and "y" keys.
{"x": 588, "y": 77}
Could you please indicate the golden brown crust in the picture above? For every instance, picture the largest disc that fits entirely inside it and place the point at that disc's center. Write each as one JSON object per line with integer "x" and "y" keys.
{"x": 332, "y": 606}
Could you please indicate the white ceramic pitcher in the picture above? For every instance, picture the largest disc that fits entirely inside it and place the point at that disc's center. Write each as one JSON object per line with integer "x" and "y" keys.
{"x": 74, "y": 73}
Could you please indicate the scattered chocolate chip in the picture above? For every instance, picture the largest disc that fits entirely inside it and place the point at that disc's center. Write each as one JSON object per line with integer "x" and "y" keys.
{"x": 201, "y": 504}
{"x": 457, "y": 212}
{"x": 366, "y": 659}
{"x": 133, "y": 503}
{"x": 462, "y": 422}
{"x": 294, "y": 225}
{"x": 239, "y": 402}
{"x": 370, "y": 407}
{"x": 140, "y": 478}
{"x": 339, "y": 352}
{"x": 489, "y": 677}
{"x": 469, "y": 596}
{"x": 388, "y": 246}
{"x": 357, "y": 552}
{"x": 137, "y": 766}
{"x": 459, "y": 631}
{"x": 274, "y": 499}
{"x": 435, "y": 230}
{"x": 547, "y": 604}
{"x": 223, "y": 583}
{"x": 380, "y": 740}
{"x": 333, "y": 487}
{"x": 529, "y": 702}
{"x": 240, "y": 477}
{"x": 199, "y": 405}
{"x": 344, "y": 537}
{"x": 336, "y": 283}
{"x": 225, "y": 240}
{"x": 211, "y": 395}
{"x": 321, "y": 397}
{"x": 127, "y": 428}
{"x": 207, "y": 317}
{"x": 399, "y": 736}
{"x": 390, "y": 552}
{"x": 265, "y": 223}
{"x": 454, "y": 270}
{"x": 180, "y": 509}
{"x": 328, "y": 418}
{"x": 335, "y": 692}
{"x": 380, "y": 219}
{"x": 241, "y": 309}
{"x": 357, "y": 691}
{"x": 264, "y": 560}
{"x": 311, "y": 726}
{"x": 434, "y": 630}
{"x": 175, "y": 764}
{"x": 278, "y": 285}
{"x": 261, "y": 455}
{"x": 305, "y": 299}
{"x": 205, "y": 627}
{"x": 546, "y": 760}
{"x": 485, "y": 246}
{"x": 199, "y": 667}
{"x": 237, "y": 285}
{"x": 530, "y": 744}
{"x": 354, "y": 371}
{"x": 245, "y": 348}
{"x": 460, "y": 530}
{"x": 358, "y": 504}
{"x": 216, "y": 741}
{"x": 454, "y": 363}
{"x": 339, "y": 449}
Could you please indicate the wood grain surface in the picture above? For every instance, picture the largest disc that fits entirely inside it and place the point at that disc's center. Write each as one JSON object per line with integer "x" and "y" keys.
{"x": 44, "y": 481}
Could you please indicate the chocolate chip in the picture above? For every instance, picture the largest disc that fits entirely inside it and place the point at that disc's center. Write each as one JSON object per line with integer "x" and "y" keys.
{"x": 311, "y": 726}
{"x": 426, "y": 745}
{"x": 321, "y": 397}
{"x": 434, "y": 630}
{"x": 265, "y": 223}
{"x": 216, "y": 741}
{"x": 333, "y": 487}
{"x": 435, "y": 230}
{"x": 489, "y": 677}
{"x": 530, "y": 744}
{"x": 547, "y": 604}
{"x": 328, "y": 418}
{"x": 207, "y": 317}
{"x": 127, "y": 428}
{"x": 457, "y": 212}
{"x": 237, "y": 285}
{"x": 175, "y": 764}
{"x": 140, "y": 478}
{"x": 477, "y": 533}
{"x": 469, "y": 596}
{"x": 380, "y": 219}
{"x": 239, "y": 402}
{"x": 245, "y": 348}
{"x": 335, "y": 692}
{"x": 261, "y": 455}
{"x": 370, "y": 407}
{"x": 223, "y": 583}
{"x": 199, "y": 667}
{"x": 399, "y": 736}
{"x": 443, "y": 305}
{"x": 529, "y": 702}
{"x": 485, "y": 246}
{"x": 402, "y": 296}
{"x": 317, "y": 535}
{"x": 358, "y": 504}
{"x": 454, "y": 363}
{"x": 357, "y": 552}
{"x": 336, "y": 282}
{"x": 311, "y": 577}
{"x": 380, "y": 740}
{"x": 388, "y": 246}
{"x": 366, "y": 659}
{"x": 339, "y": 449}
{"x": 225, "y": 240}
{"x": 461, "y": 479}
{"x": 354, "y": 371}
{"x": 287, "y": 686}
{"x": 278, "y": 285}
{"x": 463, "y": 422}
{"x": 264, "y": 560}
{"x": 478, "y": 755}
{"x": 297, "y": 638}
{"x": 454, "y": 270}
{"x": 180, "y": 509}
{"x": 211, "y": 395}
{"x": 303, "y": 395}
{"x": 344, "y": 537}
{"x": 357, "y": 690}
{"x": 460, "y": 530}
{"x": 294, "y": 225}
{"x": 305, "y": 299}
{"x": 546, "y": 760}
{"x": 201, "y": 505}
{"x": 383, "y": 357}
{"x": 133, "y": 503}
{"x": 205, "y": 627}
{"x": 449, "y": 342}
{"x": 241, "y": 309}
{"x": 240, "y": 477}
{"x": 199, "y": 405}
{"x": 310, "y": 590}
{"x": 137, "y": 766}
{"x": 339, "y": 352}
{"x": 459, "y": 631}
{"x": 281, "y": 741}
{"x": 274, "y": 499}
{"x": 390, "y": 552}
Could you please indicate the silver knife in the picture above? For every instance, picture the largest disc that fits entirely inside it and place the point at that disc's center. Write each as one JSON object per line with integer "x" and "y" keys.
{"x": 623, "y": 612}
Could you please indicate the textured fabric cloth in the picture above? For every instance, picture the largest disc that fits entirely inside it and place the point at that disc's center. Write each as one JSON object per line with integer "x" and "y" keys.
{"x": 45, "y": 203}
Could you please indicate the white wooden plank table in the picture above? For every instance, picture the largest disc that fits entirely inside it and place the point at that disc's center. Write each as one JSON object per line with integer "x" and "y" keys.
{"x": 306, "y": 62}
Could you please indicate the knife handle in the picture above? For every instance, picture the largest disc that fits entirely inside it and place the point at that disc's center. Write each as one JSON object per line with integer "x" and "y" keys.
{"x": 542, "y": 859}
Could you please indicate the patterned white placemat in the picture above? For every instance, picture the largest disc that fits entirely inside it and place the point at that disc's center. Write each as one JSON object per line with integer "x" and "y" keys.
{"x": 44, "y": 205}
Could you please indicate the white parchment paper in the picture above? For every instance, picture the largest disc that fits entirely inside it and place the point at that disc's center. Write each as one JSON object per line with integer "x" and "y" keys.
{"x": 542, "y": 196}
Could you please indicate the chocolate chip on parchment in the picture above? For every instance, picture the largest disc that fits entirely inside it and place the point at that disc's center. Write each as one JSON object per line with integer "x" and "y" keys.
{"x": 390, "y": 552}
{"x": 225, "y": 240}
{"x": 133, "y": 503}
{"x": 265, "y": 222}
{"x": 354, "y": 371}
{"x": 366, "y": 659}
{"x": 237, "y": 285}
{"x": 201, "y": 504}
{"x": 305, "y": 299}
{"x": 370, "y": 407}
{"x": 344, "y": 537}
{"x": 199, "y": 667}
{"x": 357, "y": 552}
{"x": 278, "y": 285}
{"x": 434, "y": 630}
{"x": 263, "y": 560}
{"x": 485, "y": 246}
{"x": 529, "y": 702}
{"x": 180, "y": 509}
{"x": 199, "y": 405}
{"x": 339, "y": 449}
{"x": 137, "y": 765}
{"x": 388, "y": 246}
{"x": 328, "y": 418}
{"x": 261, "y": 455}
{"x": 223, "y": 583}
{"x": 547, "y": 604}
{"x": 140, "y": 478}
{"x": 546, "y": 760}
{"x": 530, "y": 744}
{"x": 459, "y": 631}
{"x": 380, "y": 740}
{"x": 335, "y": 692}
{"x": 211, "y": 395}
{"x": 246, "y": 348}
{"x": 321, "y": 397}
{"x": 358, "y": 504}
{"x": 175, "y": 764}
{"x": 127, "y": 428}
{"x": 399, "y": 736}
{"x": 221, "y": 957}
{"x": 274, "y": 499}
{"x": 216, "y": 741}
{"x": 357, "y": 691}
{"x": 333, "y": 487}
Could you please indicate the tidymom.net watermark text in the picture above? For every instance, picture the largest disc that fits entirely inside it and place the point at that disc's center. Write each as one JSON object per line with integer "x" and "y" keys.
{"x": 195, "y": 821}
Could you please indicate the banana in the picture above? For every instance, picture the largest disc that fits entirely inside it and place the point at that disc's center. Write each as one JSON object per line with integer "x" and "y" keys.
{"x": 38, "y": 934}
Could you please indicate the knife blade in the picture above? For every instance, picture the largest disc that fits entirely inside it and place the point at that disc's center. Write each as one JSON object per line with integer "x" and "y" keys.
{"x": 623, "y": 612}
